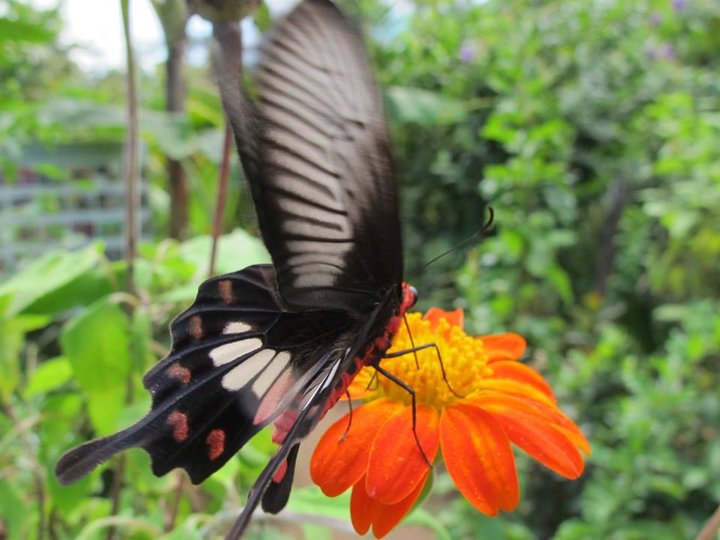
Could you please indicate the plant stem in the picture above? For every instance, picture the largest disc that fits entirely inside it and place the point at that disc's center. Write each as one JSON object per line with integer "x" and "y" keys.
{"x": 172, "y": 517}
{"x": 37, "y": 469}
{"x": 221, "y": 195}
{"x": 712, "y": 526}
{"x": 132, "y": 153}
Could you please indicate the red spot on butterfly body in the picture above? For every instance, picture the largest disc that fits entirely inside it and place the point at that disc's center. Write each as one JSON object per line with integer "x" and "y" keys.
{"x": 179, "y": 423}
{"x": 216, "y": 442}
{"x": 195, "y": 327}
{"x": 176, "y": 371}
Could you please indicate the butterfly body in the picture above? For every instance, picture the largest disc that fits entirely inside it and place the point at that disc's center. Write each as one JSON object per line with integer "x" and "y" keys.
{"x": 375, "y": 347}
{"x": 278, "y": 344}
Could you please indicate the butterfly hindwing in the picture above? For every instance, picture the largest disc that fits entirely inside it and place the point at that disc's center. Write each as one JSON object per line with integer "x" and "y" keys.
{"x": 238, "y": 360}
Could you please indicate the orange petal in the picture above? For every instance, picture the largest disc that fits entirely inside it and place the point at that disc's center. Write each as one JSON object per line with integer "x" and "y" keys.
{"x": 363, "y": 509}
{"x": 455, "y": 317}
{"x": 396, "y": 465}
{"x": 515, "y": 378}
{"x": 534, "y": 428}
{"x": 479, "y": 458}
{"x": 498, "y": 402}
{"x": 504, "y": 346}
{"x": 576, "y": 437}
{"x": 366, "y": 511}
{"x": 341, "y": 457}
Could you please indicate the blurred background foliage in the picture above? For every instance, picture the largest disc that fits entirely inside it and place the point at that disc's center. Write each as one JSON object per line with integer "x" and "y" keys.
{"x": 591, "y": 127}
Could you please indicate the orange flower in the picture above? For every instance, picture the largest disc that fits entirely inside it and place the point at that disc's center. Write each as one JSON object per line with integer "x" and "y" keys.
{"x": 486, "y": 400}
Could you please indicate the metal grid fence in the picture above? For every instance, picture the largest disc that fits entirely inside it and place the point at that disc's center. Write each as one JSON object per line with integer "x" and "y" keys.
{"x": 39, "y": 213}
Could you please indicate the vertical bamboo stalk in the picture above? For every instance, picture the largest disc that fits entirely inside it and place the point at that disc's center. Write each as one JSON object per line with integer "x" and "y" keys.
{"x": 132, "y": 153}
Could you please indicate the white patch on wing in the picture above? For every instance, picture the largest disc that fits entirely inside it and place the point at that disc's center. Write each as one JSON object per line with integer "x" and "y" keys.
{"x": 329, "y": 380}
{"x": 272, "y": 371}
{"x": 239, "y": 376}
{"x": 314, "y": 279}
{"x": 231, "y": 351}
{"x": 236, "y": 327}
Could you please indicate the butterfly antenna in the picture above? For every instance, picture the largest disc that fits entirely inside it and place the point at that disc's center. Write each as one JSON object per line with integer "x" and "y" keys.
{"x": 472, "y": 237}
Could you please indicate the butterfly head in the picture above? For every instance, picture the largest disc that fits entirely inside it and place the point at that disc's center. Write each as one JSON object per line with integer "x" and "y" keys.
{"x": 409, "y": 297}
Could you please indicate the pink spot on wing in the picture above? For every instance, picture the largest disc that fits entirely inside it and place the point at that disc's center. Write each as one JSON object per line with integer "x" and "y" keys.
{"x": 272, "y": 398}
{"x": 176, "y": 371}
{"x": 280, "y": 472}
{"x": 225, "y": 290}
{"x": 282, "y": 424}
{"x": 216, "y": 442}
{"x": 179, "y": 423}
{"x": 195, "y": 327}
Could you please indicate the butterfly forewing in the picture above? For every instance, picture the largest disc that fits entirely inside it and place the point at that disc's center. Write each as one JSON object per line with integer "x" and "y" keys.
{"x": 319, "y": 166}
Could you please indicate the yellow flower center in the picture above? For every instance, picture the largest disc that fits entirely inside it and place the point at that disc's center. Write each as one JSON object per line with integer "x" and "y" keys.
{"x": 462, "y": 358}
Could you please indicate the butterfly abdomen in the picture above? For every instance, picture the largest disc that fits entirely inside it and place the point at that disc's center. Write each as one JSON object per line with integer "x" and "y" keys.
{"x": 376, "y": 348}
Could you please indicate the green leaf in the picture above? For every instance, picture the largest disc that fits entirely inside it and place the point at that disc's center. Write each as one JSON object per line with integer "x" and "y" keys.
{"x": 23, "y": 31}
{"x": 236, "y": 250}
{"x": 561, "y": 283}
{"x": 49, "y": 376}
{"x": 67, "y": 498}
{"x": 97, "y": 345}
{"x": 186, "y": 531}
{"x": 312, "y": 501}
{"x": 12, "y": 334}
{"x": 414, "y": 105}
{"x": 14, "y": 511}
{"x": 424, "y": 518}
{"x": 311, "y": 531}
{"x": 142, "y": 334}
{"x": 50, "y": 283}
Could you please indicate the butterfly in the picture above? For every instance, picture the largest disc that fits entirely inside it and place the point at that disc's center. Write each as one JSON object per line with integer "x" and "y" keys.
{"x": 280, "y": 343}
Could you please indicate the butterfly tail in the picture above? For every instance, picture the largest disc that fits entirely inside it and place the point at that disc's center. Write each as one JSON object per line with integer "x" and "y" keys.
{"x": 278, "y": 491}
{"x": 259, "y": 489}
{"x": 81, "y": 461}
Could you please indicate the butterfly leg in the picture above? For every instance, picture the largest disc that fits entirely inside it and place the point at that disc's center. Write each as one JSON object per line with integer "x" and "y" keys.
{"x": 410, "y": 391}
{"x": 414, "y": 350}
{"x": 350, "y": 414}
{"x": 373, "y": 382}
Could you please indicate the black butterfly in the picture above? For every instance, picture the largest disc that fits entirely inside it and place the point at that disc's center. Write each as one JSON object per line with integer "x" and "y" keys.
{"x": 280, "y": 343}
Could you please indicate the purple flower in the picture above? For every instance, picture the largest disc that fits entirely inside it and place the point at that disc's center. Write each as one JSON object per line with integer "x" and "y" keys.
{"x": 467, "y": 52}
{"x": 679, "y": 5}
{"x": 667, "y": 52}
{"x": 655, "y": 18}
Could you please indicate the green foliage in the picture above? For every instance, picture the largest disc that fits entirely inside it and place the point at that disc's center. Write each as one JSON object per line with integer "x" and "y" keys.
{"x": 591, "y": 128}
{"x": 73, "y": 346}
